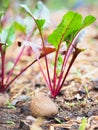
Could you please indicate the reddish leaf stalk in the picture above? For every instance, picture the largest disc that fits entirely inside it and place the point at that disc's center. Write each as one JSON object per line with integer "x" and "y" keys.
{"x": 43, "y": 74}
{"x": 2, "y": 65}
{"x": 55, "y": 65}
{"x": 46, "y": 61}
{"x": 66, "y": 57}
{"x": 15, "y": 63}
{"x": 75, "y": 54}
{"x": 19, "y": 56}
{"x": 23, "y": 70}
{"x": 56, "y": 59}
{"x": 1, "y": 60}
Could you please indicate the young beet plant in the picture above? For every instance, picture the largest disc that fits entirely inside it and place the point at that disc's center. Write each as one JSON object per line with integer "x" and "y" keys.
{"x": 66, "y": 35}
{"x": 7, "y": 38}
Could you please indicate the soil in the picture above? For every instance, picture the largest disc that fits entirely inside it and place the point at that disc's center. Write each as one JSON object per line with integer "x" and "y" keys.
{"x": 78, "y": 97}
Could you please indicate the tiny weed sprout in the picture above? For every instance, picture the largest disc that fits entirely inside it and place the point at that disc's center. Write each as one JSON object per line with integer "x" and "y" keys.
{"x": 83, "y": 124}
{"x": 66, "y": 35}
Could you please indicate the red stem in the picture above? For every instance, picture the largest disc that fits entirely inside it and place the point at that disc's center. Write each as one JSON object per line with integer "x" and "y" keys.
{"x": 55, "y": 65}
{"x": 1, "y": 60}
{"x": 63, "y": 66}
{"x": 20, "y": 74}
{"x": 66, "y": 57}
{"x": 46, "y": 61}
{"x": 2, "y": 65}
{"x": 15, "y": 63}
{"x": 24, "y": 71}
{"x": 19, "y": 56}
{"x": 77, "y": 51}
{"x": 56, "y": 59}
{"x": 44, "y": 74}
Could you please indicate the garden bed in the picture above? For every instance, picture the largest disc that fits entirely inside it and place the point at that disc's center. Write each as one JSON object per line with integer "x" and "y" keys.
{"x": 77, "y": 99}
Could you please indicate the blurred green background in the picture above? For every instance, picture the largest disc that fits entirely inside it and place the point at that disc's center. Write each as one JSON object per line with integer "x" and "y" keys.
{"x": 51, "y": 4}
{"x": 61, "y": 4}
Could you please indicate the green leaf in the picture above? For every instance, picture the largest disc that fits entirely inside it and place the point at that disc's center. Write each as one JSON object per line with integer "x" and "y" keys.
{"x": 10, "y": 65}
{"x": 3, "y": 35}
{"x": 58, "y": 120}
{"x": 20, "y": 27}
{"x": 42, "y": 12}
{"x": 4, "y": 4}
{"x": 1, "y": 14}
{"x": 9, "y": 105}
{"x": 26, "y": 9}
{"x": 8, "y": 35}
{"x": 59, "y": 63}
{"x": 10, "y": 122}
{"x": 83, "y": 124}
{"x": 60, "y": 60}
{"x": 40, "y": 23}
{"x": 88, "y": 20}
{"x": 70, "y": 23}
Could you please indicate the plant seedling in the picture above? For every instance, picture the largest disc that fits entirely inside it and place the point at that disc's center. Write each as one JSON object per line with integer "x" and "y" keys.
{"x": 69, "y": 31}
{"x": 10, "y": 122}
{"x": 83, "y": 124}
{"x": 7, "y": 38}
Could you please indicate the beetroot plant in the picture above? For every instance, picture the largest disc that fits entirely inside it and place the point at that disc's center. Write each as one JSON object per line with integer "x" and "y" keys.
{"x": 63, "y": 42}
{"x": 7, "y": 38}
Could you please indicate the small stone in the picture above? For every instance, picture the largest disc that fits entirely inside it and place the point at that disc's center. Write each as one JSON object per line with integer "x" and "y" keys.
{"x": 43, "y": 106}
{"x": 4, "y": 97}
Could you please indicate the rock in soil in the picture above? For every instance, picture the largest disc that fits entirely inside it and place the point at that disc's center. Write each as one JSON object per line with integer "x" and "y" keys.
{"x": 43, "y": 106}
